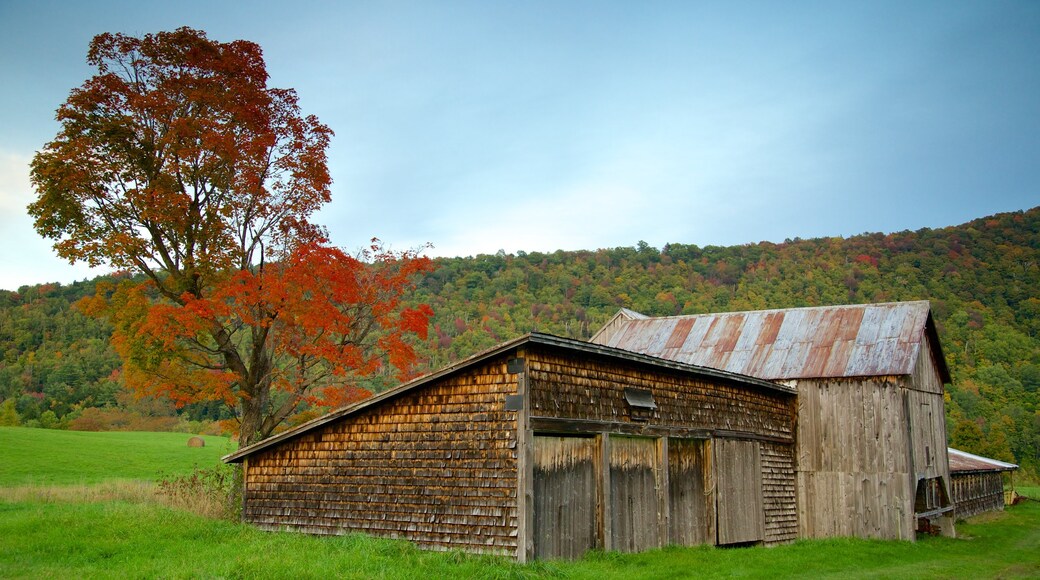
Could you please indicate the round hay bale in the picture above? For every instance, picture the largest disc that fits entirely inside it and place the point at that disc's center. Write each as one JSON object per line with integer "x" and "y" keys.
{"x": 196, "y": 442}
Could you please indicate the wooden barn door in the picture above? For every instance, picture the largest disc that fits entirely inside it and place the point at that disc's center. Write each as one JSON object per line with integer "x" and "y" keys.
{"x": 691, "y": 505}
{"x": 634, "y": 523}
{"x": 738, "y": 480}
{"x": 565, "y": 496}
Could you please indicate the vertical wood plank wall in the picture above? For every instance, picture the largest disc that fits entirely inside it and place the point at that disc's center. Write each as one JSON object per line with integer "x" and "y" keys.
{"x": 692, "y": 506}
{"x": 572, "y": 388}
{"x": 436, "y": 466}
{"x": 853, "y": 466}
{"x": 862, "y": 445}
{"x": 565, "y": 496}
{"x": 929, "y": 419}
{"x": 738, "y": 501}
{"x": 633, "y": 494}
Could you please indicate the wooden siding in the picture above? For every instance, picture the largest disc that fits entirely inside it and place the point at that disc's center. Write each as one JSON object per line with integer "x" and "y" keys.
{"x": 976, "y": 493}
{"x": 565, "y": 496}
{"x": 738, "y": 478}
{"x": 579, "y": 395}
{"x": 926, "y": 375}
{"x": 436, "y": 466}
{"x": 634, "y": 522}
{"x": 780, "y": 501}
{"x": 572, "y": 388}
{"x": 691, "y": 511}
{"x": 854, "y": 471}
{"x": 928, "y": 418}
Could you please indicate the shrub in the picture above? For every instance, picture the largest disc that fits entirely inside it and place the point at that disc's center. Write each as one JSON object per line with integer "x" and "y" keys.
{"x": 213, "y": 493}
{"x": 115, "y": 419}
{"x": 9, "y": 414}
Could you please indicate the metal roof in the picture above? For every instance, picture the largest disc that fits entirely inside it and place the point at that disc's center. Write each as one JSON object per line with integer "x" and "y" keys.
{"x": 962, "y": 462}
{"x": 794, "y": 343}
{"x": 532, "y": 338}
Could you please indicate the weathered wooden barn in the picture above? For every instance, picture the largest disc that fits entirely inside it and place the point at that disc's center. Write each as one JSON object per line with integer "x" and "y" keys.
{"x": 871, "y": 459}
{"x": 542, "y": 447}
{"x": 977, "y": 482}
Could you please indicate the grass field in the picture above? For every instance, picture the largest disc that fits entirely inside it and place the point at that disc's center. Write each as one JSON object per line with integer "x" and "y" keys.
{"x": 120, "y": 533}
{"x": 46, "y": 457}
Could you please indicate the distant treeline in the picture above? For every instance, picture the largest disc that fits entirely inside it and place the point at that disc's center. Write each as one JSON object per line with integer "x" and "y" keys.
{"x": 983, "y": 279}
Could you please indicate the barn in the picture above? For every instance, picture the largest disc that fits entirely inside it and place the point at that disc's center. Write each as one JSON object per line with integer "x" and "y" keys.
{"x": 978, "y": 482}
{"x": 542, "y": 447}
{"x": 871, "y": 433}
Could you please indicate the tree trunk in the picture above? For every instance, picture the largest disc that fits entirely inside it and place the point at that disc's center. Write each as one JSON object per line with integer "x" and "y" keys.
{"x": 252, "y": 419}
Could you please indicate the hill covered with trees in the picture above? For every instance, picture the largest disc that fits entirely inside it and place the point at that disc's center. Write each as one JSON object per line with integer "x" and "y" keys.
{"x": 982, "y": 277}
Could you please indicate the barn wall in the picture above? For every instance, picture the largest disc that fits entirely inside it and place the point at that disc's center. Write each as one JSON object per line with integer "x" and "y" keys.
{"x": 580, "y": 388}
{"x": 975, "y": 493}
{"x": 778, "y": 493}
{"x": 584, "y": 395}
{"x": 436, "y": 466}
{"x": 930, "y": 464}
{"x": 928, "y": 418}
{"x": 854, "y": 475}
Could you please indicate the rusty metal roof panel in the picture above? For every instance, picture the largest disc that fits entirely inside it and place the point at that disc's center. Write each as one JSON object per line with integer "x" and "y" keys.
{"x": 837, "y": 362}
{"x": 964, "y": 462}
{"x": 794, "y": 362}
{"x": 788, "y": 331}
{"x": 816, "y": 342}
{"x": 658, "y": 340}
{"x": 739, "y": 361}
{"x": 816, "y": 362}
{"x": 752, "y": 329}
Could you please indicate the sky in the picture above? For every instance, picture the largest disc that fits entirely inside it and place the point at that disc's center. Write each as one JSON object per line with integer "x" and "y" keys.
{"x": 501, "y": 125}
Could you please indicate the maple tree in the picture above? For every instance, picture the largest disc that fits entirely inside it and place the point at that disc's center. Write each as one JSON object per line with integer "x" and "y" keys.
{"x": 176, "y": 160}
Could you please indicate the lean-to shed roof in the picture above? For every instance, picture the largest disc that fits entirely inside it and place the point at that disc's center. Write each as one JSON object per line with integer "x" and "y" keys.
{"x": 964, "y": 462}
{"x": 564, "y": 344}
{"x": 793, "y": 343}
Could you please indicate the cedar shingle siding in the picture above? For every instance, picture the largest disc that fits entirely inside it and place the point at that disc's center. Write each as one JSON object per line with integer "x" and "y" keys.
{"x": 436, "y": 466}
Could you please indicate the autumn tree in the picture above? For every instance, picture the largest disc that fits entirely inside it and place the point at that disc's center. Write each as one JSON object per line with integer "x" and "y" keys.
{"x": 177, "y": 161}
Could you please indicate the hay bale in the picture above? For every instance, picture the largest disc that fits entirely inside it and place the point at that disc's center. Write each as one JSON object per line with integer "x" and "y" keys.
{"x": 196, "y": 442}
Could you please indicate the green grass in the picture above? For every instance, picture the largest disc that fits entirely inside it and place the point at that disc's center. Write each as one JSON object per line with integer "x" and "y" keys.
{"x": 127, "y": 540}
{"x": 47, "y": 457}
{"x": 67, "y": 509}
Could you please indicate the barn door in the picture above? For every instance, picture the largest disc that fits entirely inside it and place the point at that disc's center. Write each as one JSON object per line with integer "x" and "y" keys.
{"x": 738, "y": 499}
{"x": 634, "y": 523}
{"x": 691, "y": 505}
{"x": 565, "y": 491}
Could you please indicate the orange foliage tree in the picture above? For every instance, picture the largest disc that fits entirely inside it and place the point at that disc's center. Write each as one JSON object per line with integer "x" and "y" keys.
{"x": 178, "y": 162}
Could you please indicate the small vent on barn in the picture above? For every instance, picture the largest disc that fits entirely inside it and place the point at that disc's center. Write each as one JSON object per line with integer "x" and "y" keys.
{"x": 640, "y": 403}
{"x": 514, "y": 402}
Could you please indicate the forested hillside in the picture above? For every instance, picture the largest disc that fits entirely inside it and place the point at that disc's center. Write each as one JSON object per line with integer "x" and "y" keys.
{"x": 983, "y": 279}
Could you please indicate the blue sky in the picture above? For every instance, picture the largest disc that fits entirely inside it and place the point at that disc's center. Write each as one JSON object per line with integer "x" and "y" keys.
{"x": 536, "y": 126}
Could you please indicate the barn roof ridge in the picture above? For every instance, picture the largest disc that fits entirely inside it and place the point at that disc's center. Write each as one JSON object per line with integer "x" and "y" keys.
{"x": 529, "y": 338}
{"x": 641, "y": 316}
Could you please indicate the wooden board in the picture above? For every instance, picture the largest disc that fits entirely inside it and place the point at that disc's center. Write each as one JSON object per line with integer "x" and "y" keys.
{"x": 634, "y": 501}
{"x": 691, "y": 504}
{"x": 565, "y": 493}
{"x": 738, "y": 475}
